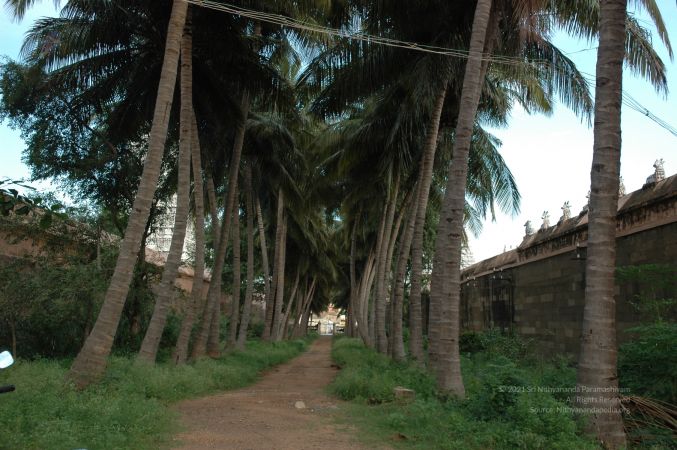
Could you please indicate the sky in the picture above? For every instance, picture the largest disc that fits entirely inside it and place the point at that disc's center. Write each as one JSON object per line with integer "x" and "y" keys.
{"x": 550, "y": 157}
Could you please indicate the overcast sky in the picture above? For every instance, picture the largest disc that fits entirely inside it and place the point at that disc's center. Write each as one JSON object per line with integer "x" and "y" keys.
{"x": 550, "y": 157}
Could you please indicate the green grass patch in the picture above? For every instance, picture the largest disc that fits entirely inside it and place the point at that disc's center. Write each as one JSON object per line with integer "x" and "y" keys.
{"x": 129, "y": 408}
{"x": 503, "y": 409}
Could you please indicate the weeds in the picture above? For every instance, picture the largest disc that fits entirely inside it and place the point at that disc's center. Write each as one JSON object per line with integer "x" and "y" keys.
{"x": 129, "y": 408}
{"x": 504, "y": 408}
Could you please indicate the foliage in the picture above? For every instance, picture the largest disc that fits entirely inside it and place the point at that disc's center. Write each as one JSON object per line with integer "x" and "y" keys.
{"x": 11, "y": 201}
{"x": 48, "y": 306}
{"x": 647, "y": 364}
{"x": 654, "y": 287}
{"x": 504, "y": 409}
{"x": 371, "y": 377}
{"x": 494, "y": 343}
{"x": 129, "y": 409}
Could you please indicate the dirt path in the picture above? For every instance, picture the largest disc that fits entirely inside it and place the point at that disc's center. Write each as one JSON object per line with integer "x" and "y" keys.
{"x": 266, "y": 415}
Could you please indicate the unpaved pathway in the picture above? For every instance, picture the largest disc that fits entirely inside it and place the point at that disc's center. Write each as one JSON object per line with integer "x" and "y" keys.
{"x": 266, "y": 416}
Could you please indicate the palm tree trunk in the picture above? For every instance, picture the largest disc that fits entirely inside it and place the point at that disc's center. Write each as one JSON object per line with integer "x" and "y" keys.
{"x": 151, "y": 340}
{"x": 304, "y": 321}
{"x": 180, "y": 353}
{"x": 388, "y": 279}
{"x": 598, "y": 359}
{"x": 213, "y": 211}
{"x": 445, "y": 291}
{"x": 207, "y": 340}
{"x": 269, "y": 329}
{"x": 279, "y": 292}
{"x": 375, "y": 293}
{"x": 269, "y": 285}
{"x": 249, "y": 292}
{"x": 352, "y": 306}
{"x": 364, "y": 288}
{"x": 397, "y": 338}
{"x": 301, "y": 323}
{"x": 90, "y": 363}
{"x": 425, "y": 180}
{"x": 282, "y": 327}
{"x": 380, "y": 300}
{"x": 235, "y": 297}
{"x": 298, "y": 309}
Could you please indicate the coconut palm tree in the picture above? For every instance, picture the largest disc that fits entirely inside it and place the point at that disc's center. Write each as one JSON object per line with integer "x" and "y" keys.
{"x": 91, "y": 361}
{"x": 180, "y": 354}
{"x": 249, "y": 292}
{"x": 597, "y": 364}
{"x": 234, "y": 315}
{"x": 151, "y": 341}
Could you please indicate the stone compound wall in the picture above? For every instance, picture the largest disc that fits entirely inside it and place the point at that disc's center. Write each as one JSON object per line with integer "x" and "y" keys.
{"x": 537, "y": 290}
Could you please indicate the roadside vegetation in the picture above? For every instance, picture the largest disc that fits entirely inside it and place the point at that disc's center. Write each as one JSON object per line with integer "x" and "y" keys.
{"x": 347, "y": 146}
{"x": 514, "y": 399}
{"x": 130, "y": 408}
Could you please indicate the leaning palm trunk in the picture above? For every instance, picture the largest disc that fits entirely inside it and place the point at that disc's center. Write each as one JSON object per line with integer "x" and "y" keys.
{"x": 267, "y": 282}
{"x": 213, "y": 211}
{"x": 207, "y": 340}
{"x": 374, "y": 293}
{"x": 91, "y": 361}
{"x": 282, "y": 326}
{"x": 363, "y": 290}
{"x": 235, "y": 297}
{"x": 445, "y": 290}
{"x": 180, "y": 353}
{"x": 380, "y": 298}
{"x": 352, "y": 306}
{"x": 389, "y": 274}
{"x": 298, "y": 308}
{"x": 151, "y": 340}
{"x": 301, "y": 328}
{"x": 249, "y": 292}
{"x": 279, "y": 293}
{"x": 273, "y": 305}
{"x": 425, "y": 180}
{"x": 597, "y": 361}
{"x": 397, "y": 339}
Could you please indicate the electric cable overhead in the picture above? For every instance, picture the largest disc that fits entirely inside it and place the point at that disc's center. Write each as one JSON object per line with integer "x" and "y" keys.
{"x": 284, "y": 21}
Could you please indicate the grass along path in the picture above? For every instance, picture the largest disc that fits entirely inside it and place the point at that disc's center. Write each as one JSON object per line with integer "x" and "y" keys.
{"x": 266, "y": 415}
{"x": 492, "y": 417}
{"x": 129, "y": 409}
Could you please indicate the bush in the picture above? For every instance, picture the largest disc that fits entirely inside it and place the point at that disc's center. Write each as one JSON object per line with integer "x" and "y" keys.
{"x": 495, "y": 343}
{"x": 503, "y": 409}
{"x": 369, "y": 376}
{"x": 128, "y": 409}
{"x": 648, "y": 364}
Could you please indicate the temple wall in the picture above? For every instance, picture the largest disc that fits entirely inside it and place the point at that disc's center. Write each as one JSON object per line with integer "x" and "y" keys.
{"x": 537, "y": 290}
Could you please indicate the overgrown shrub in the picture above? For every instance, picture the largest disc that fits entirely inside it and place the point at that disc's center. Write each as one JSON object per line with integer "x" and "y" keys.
{"x": 648, "y": 363}
{"x": 504, "y": 408}
{"x": 128, "y": 409}
{"x": 495, "y": 343}
{"x": 370, "y": 377}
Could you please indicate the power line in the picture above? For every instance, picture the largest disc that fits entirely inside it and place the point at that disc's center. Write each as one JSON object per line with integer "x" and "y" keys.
{"x": 354, "y": 35}
{"x": 379, "y": 40}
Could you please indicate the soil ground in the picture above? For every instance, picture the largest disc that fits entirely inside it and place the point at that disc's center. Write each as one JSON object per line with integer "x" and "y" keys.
{"x": 266, "y": 415}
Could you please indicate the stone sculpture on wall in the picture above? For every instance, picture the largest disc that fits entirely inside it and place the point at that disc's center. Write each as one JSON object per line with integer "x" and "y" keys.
{"x": 546, "y": 220}
{"x": 566, "y": 212}
{"x": 659, "y": 173}
{"x": 528, "y": 228}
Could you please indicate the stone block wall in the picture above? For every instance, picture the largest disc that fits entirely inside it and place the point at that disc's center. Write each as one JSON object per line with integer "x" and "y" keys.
{"x": 538, "y": 289}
